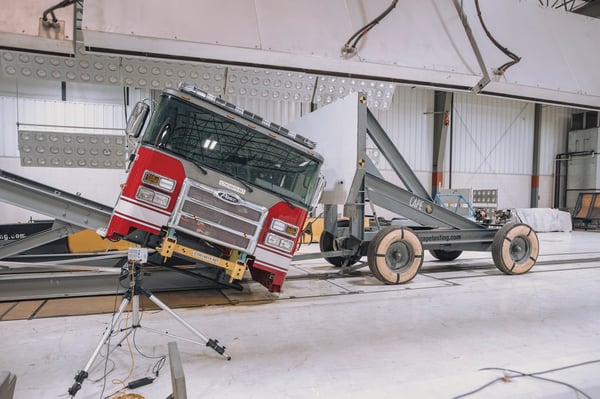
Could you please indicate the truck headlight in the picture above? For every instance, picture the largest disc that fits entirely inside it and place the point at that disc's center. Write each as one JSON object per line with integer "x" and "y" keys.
{"x": 285, "y": 228}
{"x": 152, "y": 197}
{"x": 156, "y": 180}
{"x": 278, "y": 242}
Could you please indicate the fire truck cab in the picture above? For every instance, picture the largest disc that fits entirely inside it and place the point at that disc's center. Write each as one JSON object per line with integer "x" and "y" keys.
{"x": 218, "y": 184}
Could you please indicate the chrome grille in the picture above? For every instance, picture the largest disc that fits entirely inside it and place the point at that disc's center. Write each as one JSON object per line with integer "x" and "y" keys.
{"x": 212, "y": 232}
{"x": 218, "y": 218}
{"x": 218, "y": 215}
{"x": 210, "y": 199}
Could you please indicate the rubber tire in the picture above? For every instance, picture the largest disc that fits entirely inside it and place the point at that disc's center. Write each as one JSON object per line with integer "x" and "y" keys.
{"x": 515, "y": 248}
{"x": 395, "y": 255}
{"x": 327, "y": 243}
{"x": 445, "y": 255}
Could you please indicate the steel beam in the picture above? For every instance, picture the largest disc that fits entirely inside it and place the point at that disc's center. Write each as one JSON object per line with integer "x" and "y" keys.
{"x": 58, "y": 230}
{"x": 420, "y": 210}
{"x": 392, "y": 155}
{"x": 90, "y": 281}
{"x": 535, "y": 168}
{"x": 442, "y": 113}
{"x": 59, "y": 205}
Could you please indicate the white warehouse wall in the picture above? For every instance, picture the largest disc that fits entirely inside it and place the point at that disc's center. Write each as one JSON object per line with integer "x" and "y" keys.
{"x": 492, "y": 147}
{"x": 492, "y": 138}
{"x": 409, "y": 123}
{"x": 556, "y": 122}
{"x": 39, "y": 102}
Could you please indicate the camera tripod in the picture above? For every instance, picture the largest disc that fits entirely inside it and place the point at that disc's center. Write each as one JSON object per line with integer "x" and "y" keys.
{"x": 135, "y": 258}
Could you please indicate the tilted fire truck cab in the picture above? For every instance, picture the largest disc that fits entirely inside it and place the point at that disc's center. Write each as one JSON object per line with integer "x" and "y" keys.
{"x": 218, "y": 184}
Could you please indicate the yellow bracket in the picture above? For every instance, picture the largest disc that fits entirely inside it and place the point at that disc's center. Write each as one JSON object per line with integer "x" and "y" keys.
{"x": 233, "y": 266}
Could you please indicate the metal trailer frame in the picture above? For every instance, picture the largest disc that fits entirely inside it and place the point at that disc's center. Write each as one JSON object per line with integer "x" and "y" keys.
{"x": 445, "y": 234}
{"x": 71, "y": 212}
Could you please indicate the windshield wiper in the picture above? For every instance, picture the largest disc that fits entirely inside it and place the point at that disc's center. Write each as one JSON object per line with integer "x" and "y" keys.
{"x": 288, "y": 201}
{"x": 199, "y": 166}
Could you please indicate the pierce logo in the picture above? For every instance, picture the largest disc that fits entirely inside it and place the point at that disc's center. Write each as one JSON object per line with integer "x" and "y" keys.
{"x": 228, "y": 197}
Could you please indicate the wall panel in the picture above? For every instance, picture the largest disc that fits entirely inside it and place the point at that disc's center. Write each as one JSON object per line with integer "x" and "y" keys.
{"x": 492, "y": 135}
{"x": 555, "y": 125}
{"x": 280, "y": 112}
{"x": 409, "y": 123}
{"x": 492, "y": 142}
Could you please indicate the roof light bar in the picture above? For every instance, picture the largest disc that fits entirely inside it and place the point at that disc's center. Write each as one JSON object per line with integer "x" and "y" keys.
{"x": 280, "y": 130}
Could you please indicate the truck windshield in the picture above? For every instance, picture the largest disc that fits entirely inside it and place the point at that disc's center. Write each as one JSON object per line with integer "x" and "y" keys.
{"x": 214, "y": 141}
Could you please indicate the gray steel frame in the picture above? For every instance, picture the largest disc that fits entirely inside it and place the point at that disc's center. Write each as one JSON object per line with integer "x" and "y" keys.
{"x": 441, "y": 228}
{"x": 71, "y": 212}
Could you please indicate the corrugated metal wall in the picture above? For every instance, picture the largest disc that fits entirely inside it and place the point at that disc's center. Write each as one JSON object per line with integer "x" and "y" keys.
{"x": 63, "y": 114}
{"x": 409, "y": 123}
{"x": 492, "y": 147}
{"x": 280, "y": 112}
{"x": 8, "y": 126}
{"x": 555, "y": 125}
{"x": 492, "y": 135}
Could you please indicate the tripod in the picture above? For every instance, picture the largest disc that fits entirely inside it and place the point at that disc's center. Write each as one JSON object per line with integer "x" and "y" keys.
{"x": 135, "y": 258}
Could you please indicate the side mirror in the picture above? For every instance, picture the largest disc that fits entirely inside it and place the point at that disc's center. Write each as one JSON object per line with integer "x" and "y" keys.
{"x": 137, "y": 119}
{"x": 318, "y": 192}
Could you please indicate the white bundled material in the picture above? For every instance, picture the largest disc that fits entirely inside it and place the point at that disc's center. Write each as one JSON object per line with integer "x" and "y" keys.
{"x": 545, "y": 219}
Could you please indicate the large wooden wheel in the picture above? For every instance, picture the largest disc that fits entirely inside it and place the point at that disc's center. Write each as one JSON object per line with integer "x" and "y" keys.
{"x": 445, "y": 254}
{"x": 515, "y": 248}
{"x": 395, "y": 255}
{"x": 328, "y": 242}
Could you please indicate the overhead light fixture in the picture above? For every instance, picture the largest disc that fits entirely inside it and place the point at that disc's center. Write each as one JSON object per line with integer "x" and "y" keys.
{"x": 329, "y": 88}
{"x": 270, "y": 85}
{"x": 71, "y": 150}
{"x": 156, "y": 74}
{"x": 84, "y": 67}
{"x": 218, "y": 80}
{"x": 209, "y": 144}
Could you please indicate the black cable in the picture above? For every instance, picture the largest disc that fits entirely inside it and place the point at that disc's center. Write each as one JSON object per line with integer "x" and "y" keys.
{"x": 112, "y": 319}
{"x": 537, "y": 374}
{"x": 520, "y": 374}
{"x": 50, "y": 11}
{"x": 161, "y": 358}
{"x": 515, "y": 58}
{"x": 481, "y": 388}
{"x": 350, "y": 49}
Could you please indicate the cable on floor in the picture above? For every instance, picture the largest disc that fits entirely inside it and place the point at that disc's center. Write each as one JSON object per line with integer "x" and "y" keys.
{"x": 519, "y": 374}
{"x": 112, "y": 320}
{"x": 161, "y": 358}
{"x": 117, "y": 381}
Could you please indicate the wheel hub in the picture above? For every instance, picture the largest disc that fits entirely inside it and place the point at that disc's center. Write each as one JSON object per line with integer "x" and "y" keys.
{"x": 519, "y": 249}
{"x": 398, "y": 256}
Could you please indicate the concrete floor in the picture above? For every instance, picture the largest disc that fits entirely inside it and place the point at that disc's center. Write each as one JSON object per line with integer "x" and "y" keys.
{"x": 328, "y": 336}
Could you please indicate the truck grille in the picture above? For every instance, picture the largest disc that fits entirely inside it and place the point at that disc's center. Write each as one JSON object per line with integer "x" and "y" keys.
{"x": 219, "y": 216}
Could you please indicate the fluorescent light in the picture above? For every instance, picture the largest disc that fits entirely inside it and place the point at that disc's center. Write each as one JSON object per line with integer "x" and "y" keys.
{"x": 67, "y": 150}
{"x": 218, "y": 80}
{"x": 329, "y": 88}
{"x": 269, "y": 84}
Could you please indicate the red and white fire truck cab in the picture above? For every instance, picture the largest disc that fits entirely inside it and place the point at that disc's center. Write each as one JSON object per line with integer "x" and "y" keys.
{"x": 218, "y": 184}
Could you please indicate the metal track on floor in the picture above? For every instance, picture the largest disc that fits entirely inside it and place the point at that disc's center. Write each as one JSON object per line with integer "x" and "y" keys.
{"x": 23, "y": 281}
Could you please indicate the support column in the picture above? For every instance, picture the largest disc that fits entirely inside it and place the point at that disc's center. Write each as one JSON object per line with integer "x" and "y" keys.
{"x": 442, "y": 112}
{"x": 535, "y": 168}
